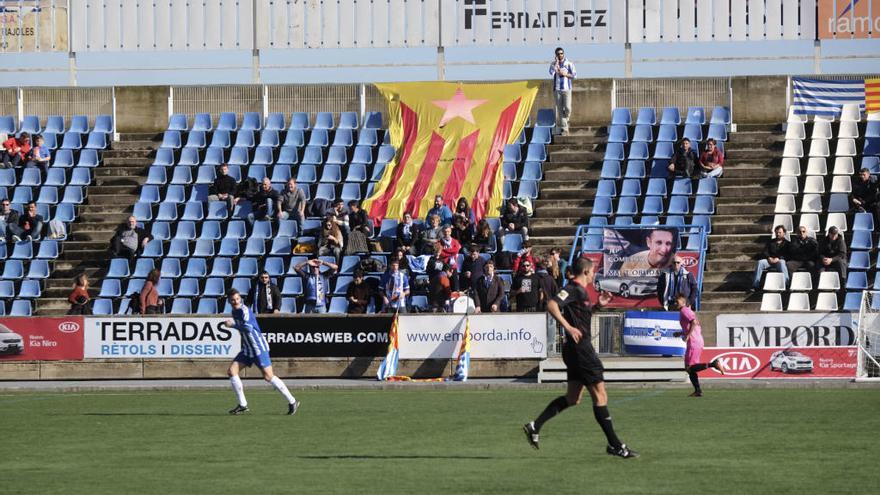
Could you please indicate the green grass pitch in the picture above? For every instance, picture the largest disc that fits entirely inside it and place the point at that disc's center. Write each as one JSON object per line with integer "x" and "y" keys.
{"x": 440, "y": 441}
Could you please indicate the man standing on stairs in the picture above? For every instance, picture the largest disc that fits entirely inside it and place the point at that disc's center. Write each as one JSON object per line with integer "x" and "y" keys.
{"x": 563, "y": 72}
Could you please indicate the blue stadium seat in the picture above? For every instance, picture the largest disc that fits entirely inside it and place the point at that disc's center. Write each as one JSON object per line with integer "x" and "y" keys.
{"x": 859, "y": 260}
{"x": 7, "y": 290}
{"x": 343, "y": 138}
{"x": 102, "y": 307}
{"x": 720, "y": 115}
{"x": 161, "y": 231}
{"x": 635, "y": 169}
{"x": 214, "y": 287}
{"x": 275, "y": 122}
{"x": 602, "y": 206}
{"x": 118, "y": 268}
{"x": 386, "y": 153}
{"x": 717, "y": 132}
{"x": 48, "y": 249}
{"x": 88, "y": 158}
{"x": 857, "y": 281}
{"x": 618, "y": 134}
{"x": 240, "y": 156}
{"x": 319, "y": 138}
{"x": 631, "y": 187}
{"x": 292, "y": 286}
{"x": 671, "y": 116}
{"x": 20, "y": 308}
{"x": 79, "y": 124}
{"x": 153, "y": 249}
{"x": 694, "y": 132}
{"x": 707, "y": 186}
{"x": 181, "y": 306}
{"x": 104, "y": 124}
{"x": 287, "y": 228}
{"x": 654, "y": 206}
{"x": 7, "y": 124}
{"x": 73, "y": 141}
{"x": 214, "y": 157}
{"x": 252, "y": 121}
{"x": 614, "y": 151}
{"x": 656, "y": 187}
{"x": 221, "y": 267}
{"x": 31, "y": 177}
{"x": 675, "y": 220}
{"x": 300, "y": 121}
{"x": 165, "y": 287}
{"x": 638, "y": 151}
{"x": 338, "y": 305}
{"x": 217, "y": 210}
{"x": 164, "y": 158}
{"x": 704, "y": 205}
{"x": 862, "y": 240}
{"x": 511, "y": 243}
{"x": 324, "y": 121}
{"x": 142, "y": 267}
{"x": 350, "y": 191}
{"x": 667, "y": 133}
{"x": 659, "y": 169}
{"x": 204, "y": 248}
{"x": 247, "y": 267}
{"x": 610, "y": 170}
{"x": 623, "y": 220}
{"x": 647, "y": 115}
{"x": 512, "y": 153}
{"x": 13, "y": 269}
{"x": 170, "y": 139}
{"x": 532, "y": 171}
{"x": 189, "y": 157}
{"x": 528, "y": 189}
{"x": 682, "y": 187}
{"x": 253, "y": 247}
{"x": 245, "y": 139}
{"x": 274, "y": 265}
{"x": 177, "y": 122}
{"x": 696, "y": 115}
{"x": 228, "y": 122}
{"x": 23, "y": 250}
{"x": 621, "y": 116}
{"x": 54, "y": 125}
{"x": 202, "y": 122}
{"x": 643, "y": 133}
{"x": 178, "y": 248}
{"x": 325, "y": 191}
{"x": 191, "y": 212}
{"x": 627, "y": 206}
{"x": 546, "y": 117}
{"x": 541, "y": 135}
{"x": 22, "y": 195}
{"x": 281, "y": 246}
{"x": 170, "y": 268}
{"x": 871, "y": 147}
{"x": 336, "y": 155}
{"x": 196, "y": 268}
{"x": 229, "y": 247}
{"x": 678, "y": 205}
{"x": 348, "y": 120}
{"x": 362, "y": 155}
{"x": 111, "y": 288}
{"x": 373, "y": 120}
{"x": 853, "y": 301}
{"x": 536, "y": 153}
{"x": 156, "y": 176}
{"x": 207, "y": 306}
{"x": 38, "y": 269}
{"x": 331, "y": 173}
{"x": 31, "y": 125}
{"x": 663, "y": 151}
{"x": 7, "y": 177}
{"x": 197, "y": 140}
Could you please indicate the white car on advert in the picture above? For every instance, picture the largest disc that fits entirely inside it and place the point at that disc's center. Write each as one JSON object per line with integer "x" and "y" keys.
{"x": 790, "y": 362}
{"x": 10, "y": 342}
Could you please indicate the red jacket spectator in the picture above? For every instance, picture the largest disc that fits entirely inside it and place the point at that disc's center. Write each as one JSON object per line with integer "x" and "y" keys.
{"x": 524, "y": 255}
{"x": 20, "y": 146}
{"x": 448, "y": 247}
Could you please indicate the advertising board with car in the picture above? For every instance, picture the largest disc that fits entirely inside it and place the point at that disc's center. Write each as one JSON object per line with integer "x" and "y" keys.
{"x": 782, "y": 362}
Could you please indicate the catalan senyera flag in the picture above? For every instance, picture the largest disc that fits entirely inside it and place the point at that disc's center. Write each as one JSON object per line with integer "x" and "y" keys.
{"x": 388, "y": 368}
{"x": 872, "y": 95}
{"x": 464, "y": 354}
{"x": 449, "y": 139}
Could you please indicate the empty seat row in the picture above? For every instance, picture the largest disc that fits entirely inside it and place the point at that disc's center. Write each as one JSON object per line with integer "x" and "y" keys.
{"x": 271, "y": 139}
{"x": 17, "y": 269}
{"x": 794, "y": 148}
{"x": 18, "y": 307}
{"x": 670, "y": 115}
{"x": 58, "y": 177}
{"x": 48, "y": 249}
{"x": 27, "y": 289}
{"x": 654, "y": 205}
{"x": 657, "y": 187}
{"x": 663, "y": 150}
{"x": 800, "y": 301}
{"x": 814, "y": 184}
{"x": 843, "y": 165}
{"x": 55, "y": 124}
{"x": 666, "y": 132}
{"x": 262, "y": 155}
{"x": 47, "y": 195}
{"x": 229, "y": 121}
{"x": 850, "y": 112}
{"x": 825, "y": 130}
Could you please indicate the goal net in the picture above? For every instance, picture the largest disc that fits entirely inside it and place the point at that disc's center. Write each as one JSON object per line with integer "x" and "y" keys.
{"x": 868, "y": 337}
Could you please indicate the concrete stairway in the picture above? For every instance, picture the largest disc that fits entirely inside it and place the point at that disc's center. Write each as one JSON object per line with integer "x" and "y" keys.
{"x": 108, "y": 203}
{"x": 744, "y": 210}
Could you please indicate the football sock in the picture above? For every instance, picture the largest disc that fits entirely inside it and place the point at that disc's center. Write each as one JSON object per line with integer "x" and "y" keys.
{"x": 555, "y": 407}
{"x": 281, "y": 387}
{"x": 699, "y": 366}
{"x": 695, "y": 380}
{"x": 603, "y": 417}
{"x": 238, "y": 388}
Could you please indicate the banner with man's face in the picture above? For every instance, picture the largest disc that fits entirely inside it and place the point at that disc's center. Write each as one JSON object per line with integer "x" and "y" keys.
{"x": 631, "y": 261}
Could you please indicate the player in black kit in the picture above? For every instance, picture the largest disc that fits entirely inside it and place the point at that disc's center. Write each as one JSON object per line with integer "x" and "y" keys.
{"x": 571, "y": 307}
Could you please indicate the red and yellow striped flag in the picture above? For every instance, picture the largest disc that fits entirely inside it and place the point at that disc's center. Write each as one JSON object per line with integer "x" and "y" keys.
{"x": 449, "y": 139}
{"x": 872, "y": 95}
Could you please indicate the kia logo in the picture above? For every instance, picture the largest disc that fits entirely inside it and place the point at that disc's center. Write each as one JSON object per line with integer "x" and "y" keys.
{"x": 68, "y": 327}
{"x": 738, "y": 363}
{"x": 688, "y": 261}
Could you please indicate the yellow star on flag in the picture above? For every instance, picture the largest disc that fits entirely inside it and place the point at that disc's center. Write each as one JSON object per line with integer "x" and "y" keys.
{"x": 458, "y": 106}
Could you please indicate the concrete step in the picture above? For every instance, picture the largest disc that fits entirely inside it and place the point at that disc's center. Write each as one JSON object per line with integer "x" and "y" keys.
{"x": 560, "y": 231}
{"x": 739, "y": 228}
{"x": 129, "y": 160}
{"x": 548, "y": 241}
{"x": 126, "y": 199}
{"x": 739, "y": 208}
{"x": 580, "y": 157}
{"x": 568, "y": 194}
{"x": 141, "y": 136}
{"x": 94, "y": 236}
{"x": 758, "y": 128}
{"x": 137, "y": 144}
{"x": 112, "y": 180}
{"x": 716, "y": 264}
{"x": 120, "y": 171}
{"x": 584, "y": 174}
{"x": 730, "y": 306}
{"x": 555, "y": 221}
{"x": 551, "y": 212}
{"x": 588, "y": 186}
{"x": 116, "y": 217}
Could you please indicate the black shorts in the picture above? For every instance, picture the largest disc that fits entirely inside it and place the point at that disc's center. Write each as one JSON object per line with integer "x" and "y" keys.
{"x": 582, "y": 363}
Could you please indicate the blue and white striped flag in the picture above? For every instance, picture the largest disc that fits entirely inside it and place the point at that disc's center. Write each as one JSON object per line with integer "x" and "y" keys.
{"x": 816, "y": 97}
{"x": 652, "y": 332}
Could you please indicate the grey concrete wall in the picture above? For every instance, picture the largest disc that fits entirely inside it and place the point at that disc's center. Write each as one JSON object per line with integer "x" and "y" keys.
{"x": 759, "y": 99}
{"x": 141, "y": 108}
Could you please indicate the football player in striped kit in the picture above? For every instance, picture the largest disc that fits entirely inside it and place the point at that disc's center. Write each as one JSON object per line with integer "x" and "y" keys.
{"x": 254, "y": 350}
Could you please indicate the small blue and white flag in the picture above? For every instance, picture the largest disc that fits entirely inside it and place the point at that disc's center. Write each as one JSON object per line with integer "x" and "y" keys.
{"x": 652, "y": 332}
{"x": 826, "y": 98}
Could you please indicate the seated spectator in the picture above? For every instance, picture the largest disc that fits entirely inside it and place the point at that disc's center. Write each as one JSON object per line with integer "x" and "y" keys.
{"x": 441, "y": 210}
{"x": 293, "y": 203}
{"x": 223, "y": 188}
{"x": 79, "y": 298}
{"x": 674, "y": 281}
{"x": 448, "y": 248}
{"x": 832, "y": 253}
{"x": 866, "y": 195}
{"x": 316, "y": 286}
{"x": 483, "y": 236}
{"x": 527, "y": 289}
{"x": 129, "y": 239}
{"x": 40, "y": 156}
{"x": 261, "y": 201}
{"x": 151, "y": 303}
{"x": 471, "y": 268}
{"x": 30, "y": 223}
{"x": 774, "y": 257}
{"x": 514, "y": 220}
{"x": 462, "y": 231}
{"x": 524, "y": 255}
{"x": 802, "y": 252}
{"x": 488, "y": 291}
{"x": 8, "y": 222}
{"x": 430, "y": 235}
{"x": 264, "y": 297}
{"x": 400, "y": 256}
{"x": 408, "y": 235}
{"x": 556, "y": 266}
{"x": 360, "y": 225}
{"x": 440, "y": 290}
{"x": 711, "y": 160}
{"x": 359, "y": 294}
{"x": 395, "y": 288}
{"x": 464, "y": 212}
{"x": 340, "y": 216}
{"x": 15, "y": 150}
{"x": 547, "y": 282}
{"x": 684, "y": 160}
{"x": 330, "y": 241}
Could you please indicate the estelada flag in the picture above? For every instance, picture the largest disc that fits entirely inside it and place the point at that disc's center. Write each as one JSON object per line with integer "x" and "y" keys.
{"x": 872, "y": 95}
{"x": 449, "y": 139}
{"x": 464, "y": 354}
{"x": 388, "y": 368}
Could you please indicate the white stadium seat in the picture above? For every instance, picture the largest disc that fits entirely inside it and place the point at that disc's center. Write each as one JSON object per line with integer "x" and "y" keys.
{"x": 848, "y": 130}
{"x": 795, "y": 130}
{"x": 817, "y": 166}
{"x": 785, "y": 204}
{"x": 814, "y": 184}
{"x": 836, "y": 220}
{"x": 846, "y": 147}
{"x": 771, "y": 302}
{"x": 798, "y": 301}
{"x": 790, "y": 167}
{"x": 843, "y": 165}
{"x": 826, "y": 301}
{"x": 850, "y": 113}
{"x": 801, "y": 282}
{"x": 819, "y": 147}
{"x": 811, "y": 203}
{"x": 774, "y": 282}
{"x": 821, "y": 130}
{"x": 841, "y": 184}
{"x": 784, "y": 220}
{"x": 794, "y": 148}
{"x": 787, "y": 185}
{"x": 829, "y": 281}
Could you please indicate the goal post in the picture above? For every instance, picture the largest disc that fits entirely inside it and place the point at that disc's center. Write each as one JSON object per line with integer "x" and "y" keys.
{"x": 868, "y": 337}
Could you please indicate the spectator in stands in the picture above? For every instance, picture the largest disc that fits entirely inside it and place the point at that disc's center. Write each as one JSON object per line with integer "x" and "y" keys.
{"x": 30, "y": 223}
{"x": 711, "y": 160}
{"x": 223, "y": 188}
{"x": 15, "y": 150}
{"x": 448, "y": 248}
{"x": 488, "y": 291}
{"x": 441, "y": 210}
{"x": 395, "y": 288}
{"x": 260, "y": 201}
{"x": 674, "y": 281}
{"x": 556, "y": 266}
{"x": 483, "y": 236}
{"x": 39, "y": 156}
{"x": 462, "y": 231}
{"x": 79, "y": 298}
{"x": 358, "y": 294}
{"x": 547, "y": 282}
{"x": 8, "y": 222}
{"x": 430, "y": 235}
{"x": 400, "y": 256}
{"x": 522, "y": 256}
{"x": 774, "y": 257}
{"x": 440, "y": 289}
{"x": 563, "y": 72}
{"x": 151, "y": 303}
{"x": 866, "y": 195}
{"x": 472, "y": 268}
{"x": 464, "y": 212}
{"x": 514, "y": 220}
{"x": 340, "y": 216}
{"x": 293, "y": 203}
{"x": 408, "y": 235}
{"x": 684, "y": 160}
{"x": 832, "y": 253}
{"x": 527, "y": 289}
{"x": 129, "y": 239}
{"x": 361, "y": 228}
{"x": 330, "y": 241}
{"x": 802, "y": 252}
{"x": 317, "y": 285}
{"x": 264, "y": 298}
